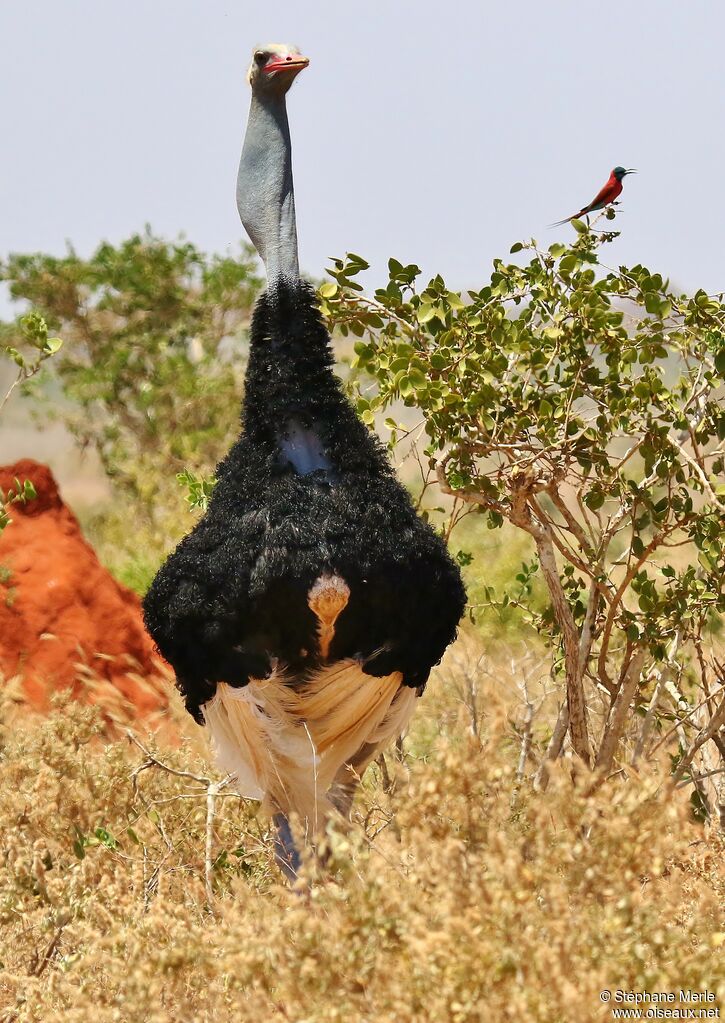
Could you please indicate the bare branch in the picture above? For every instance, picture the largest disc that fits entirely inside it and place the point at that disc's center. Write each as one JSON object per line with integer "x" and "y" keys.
{"x": 574, "y": 689}
{"x": 213, "y": 789}
{"x": 664, "y": 677}
{"x": 618, "y": 717}
{"x": 525, "y": 741}
{"x": 717, "y": 721}
{"x": 560, "y": 504}
{"x": 553, "y": 750}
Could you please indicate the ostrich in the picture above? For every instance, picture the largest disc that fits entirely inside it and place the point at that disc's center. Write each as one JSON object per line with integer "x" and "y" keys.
{"x": 304, "y": 611}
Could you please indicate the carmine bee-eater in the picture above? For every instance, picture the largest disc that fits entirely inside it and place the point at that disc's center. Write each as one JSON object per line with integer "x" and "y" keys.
{"x": 604, "y": 196}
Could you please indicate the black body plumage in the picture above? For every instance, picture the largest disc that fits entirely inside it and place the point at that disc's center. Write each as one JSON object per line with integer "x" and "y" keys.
{"x": 230, "y": 602}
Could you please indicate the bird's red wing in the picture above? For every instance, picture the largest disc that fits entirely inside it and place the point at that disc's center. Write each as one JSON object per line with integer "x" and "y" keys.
{"x": 608, "y": 193}
{"x": 604, "y": 196}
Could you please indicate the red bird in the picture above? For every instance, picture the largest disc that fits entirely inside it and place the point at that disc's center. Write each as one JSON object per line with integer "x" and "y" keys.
{"x": 604, "y": 196}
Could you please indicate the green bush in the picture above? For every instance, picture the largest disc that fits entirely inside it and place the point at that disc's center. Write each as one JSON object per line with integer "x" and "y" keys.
{"x": 28, "y": 345}
{"x": 153, "y": 359}
{"x": 581, "y": 405}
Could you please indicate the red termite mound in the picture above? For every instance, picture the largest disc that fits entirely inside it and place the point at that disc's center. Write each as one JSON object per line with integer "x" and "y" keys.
{"x": 64, "y": 620}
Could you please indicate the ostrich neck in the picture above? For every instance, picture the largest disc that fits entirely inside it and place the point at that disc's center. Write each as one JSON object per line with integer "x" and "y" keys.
{"x": 265, "y": 193}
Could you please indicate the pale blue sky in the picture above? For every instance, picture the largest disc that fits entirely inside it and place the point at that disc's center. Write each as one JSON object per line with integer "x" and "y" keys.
{"x": 439, "y": 133}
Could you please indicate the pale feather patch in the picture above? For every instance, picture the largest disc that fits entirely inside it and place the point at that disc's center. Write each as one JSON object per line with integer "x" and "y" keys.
{"x": 251, "y": 737}
{"x": 327, "y": 598}
{"x": 286, "y": 743}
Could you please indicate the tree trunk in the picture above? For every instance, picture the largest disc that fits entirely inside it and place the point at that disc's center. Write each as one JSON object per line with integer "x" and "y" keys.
{"x": 578, "y": 728}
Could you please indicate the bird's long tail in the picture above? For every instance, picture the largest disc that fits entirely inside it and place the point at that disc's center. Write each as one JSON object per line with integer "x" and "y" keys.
{"x": 593, "y": 207}
{"x": 568, "y": 220}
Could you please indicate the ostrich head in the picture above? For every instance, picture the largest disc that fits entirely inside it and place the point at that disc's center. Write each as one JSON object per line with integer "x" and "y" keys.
{"x": 274, "y": 67}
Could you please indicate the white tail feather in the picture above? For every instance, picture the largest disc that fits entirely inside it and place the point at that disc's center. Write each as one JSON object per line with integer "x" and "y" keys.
{"x": 286, "y": 742}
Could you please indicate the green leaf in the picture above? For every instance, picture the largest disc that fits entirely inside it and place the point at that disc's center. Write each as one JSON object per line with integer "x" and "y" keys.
{"x": 106, "y": 838}
{"x": 329, "y": 289}
{"x": 594, "y": 499}
{"x": 355, "y": 264}
{"x": 52, "y": 345}
{"x": 16, "y": 357}
{"x": 637, "y": 546}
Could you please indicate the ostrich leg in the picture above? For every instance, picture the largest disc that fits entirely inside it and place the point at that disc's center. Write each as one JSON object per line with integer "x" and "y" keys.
{"x": 286, "y": 853}
{"x": 349, "y": 776}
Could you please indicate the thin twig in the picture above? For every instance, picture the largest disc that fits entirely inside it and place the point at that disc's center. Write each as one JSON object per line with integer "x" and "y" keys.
{"x": 714, "y": 725}
{"x": 211, "y": 794}
{"x": 681, "y": 721}
{"x": 213, "y": 790}
{"x": 525, "y": 742}
{"x": 664, "y": 678}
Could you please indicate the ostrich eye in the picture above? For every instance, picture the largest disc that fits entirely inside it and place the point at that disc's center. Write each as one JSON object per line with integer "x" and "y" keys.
{"x": 261, "y": 57}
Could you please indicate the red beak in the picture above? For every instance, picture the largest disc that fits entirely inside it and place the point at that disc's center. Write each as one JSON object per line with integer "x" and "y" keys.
{"x": 291, "y": 63}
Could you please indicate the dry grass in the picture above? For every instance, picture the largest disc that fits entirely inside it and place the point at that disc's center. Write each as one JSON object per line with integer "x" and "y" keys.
{"x": 457, "y": 896}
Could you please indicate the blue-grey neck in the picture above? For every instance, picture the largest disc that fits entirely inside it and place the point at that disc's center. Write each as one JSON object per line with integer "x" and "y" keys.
{"x": 265, "y": 193}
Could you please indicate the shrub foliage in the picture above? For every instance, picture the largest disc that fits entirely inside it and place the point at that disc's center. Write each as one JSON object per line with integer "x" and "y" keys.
{"x": 582, "y": 404}
{"x": 28, "y": 345}
{"x": 153, "y": 352}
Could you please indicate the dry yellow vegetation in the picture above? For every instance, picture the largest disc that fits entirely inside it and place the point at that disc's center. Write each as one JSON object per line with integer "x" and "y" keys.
{"x": 457, "y": 895}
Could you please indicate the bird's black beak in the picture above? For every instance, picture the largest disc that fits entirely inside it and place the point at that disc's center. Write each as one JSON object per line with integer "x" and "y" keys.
{"x": 631, "y": 170}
